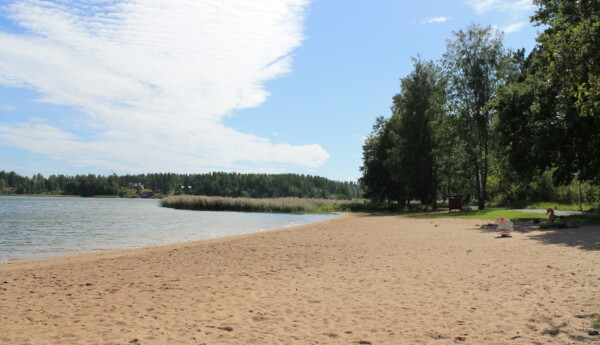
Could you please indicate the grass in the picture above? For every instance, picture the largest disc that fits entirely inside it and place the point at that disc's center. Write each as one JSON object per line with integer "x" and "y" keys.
{"x": 560, "y": 207}
{"x": 586, "y": 207}
{"x": 479, "y": 214}
{"x": 596, "y": 321}
{"x": 573, "y": 221}
{"x": 491, "y": 215}
{"x": 274, "y": 205}
{"x": 299, "y": 206}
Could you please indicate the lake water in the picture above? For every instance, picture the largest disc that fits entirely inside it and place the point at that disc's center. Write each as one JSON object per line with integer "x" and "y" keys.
{"x": 33, "y": 227}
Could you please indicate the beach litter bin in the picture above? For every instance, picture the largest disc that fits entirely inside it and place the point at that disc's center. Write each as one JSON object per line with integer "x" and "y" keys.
{"x": 454, "y": 202}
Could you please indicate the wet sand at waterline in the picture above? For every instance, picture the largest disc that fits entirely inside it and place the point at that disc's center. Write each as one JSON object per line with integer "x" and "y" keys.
{"x": 355, "y": 279}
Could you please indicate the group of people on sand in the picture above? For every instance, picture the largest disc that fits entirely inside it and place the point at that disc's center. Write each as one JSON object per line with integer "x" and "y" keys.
{"x": 506, "y": 226}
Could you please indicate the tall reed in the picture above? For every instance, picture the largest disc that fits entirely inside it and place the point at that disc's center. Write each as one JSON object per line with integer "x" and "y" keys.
{"x": 276, "y": 205}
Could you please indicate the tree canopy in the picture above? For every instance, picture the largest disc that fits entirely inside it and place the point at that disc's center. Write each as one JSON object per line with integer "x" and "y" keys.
{"x": 399, "y": 161}
{"x": 502, "y": 118}
{"x": 476, "y": 65}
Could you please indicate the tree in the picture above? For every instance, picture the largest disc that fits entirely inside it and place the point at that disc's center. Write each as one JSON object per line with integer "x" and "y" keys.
{"x": 476, "y": 64}
{"x": 376, "y": 180}
{"x": 549, "y": 113}
{"x": 213, "y": 184}
{"x": 38, "y": 184}
{"x": 419, "y": 105}
{"x": 524, "y": 126}
{"x": 453, "y": 167}
{"x": 399, "y": 162}
{"x": 569, "y": 50}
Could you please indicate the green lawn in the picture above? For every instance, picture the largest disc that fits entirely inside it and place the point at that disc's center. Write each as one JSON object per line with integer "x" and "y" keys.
{"x": 483, "y": 214}
{"x": 561, "y": 207}
{"x": 491, "y": 215}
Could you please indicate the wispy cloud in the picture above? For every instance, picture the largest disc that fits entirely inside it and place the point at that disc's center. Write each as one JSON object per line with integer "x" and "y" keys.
{"x": 7, "y": 107}
{"x": 484, "y": 6}
{"x": 516, "y": 27}
{"x": 154, "y": 79}
{"x": 514, "y": 13}
{"x": 433, "y": 20}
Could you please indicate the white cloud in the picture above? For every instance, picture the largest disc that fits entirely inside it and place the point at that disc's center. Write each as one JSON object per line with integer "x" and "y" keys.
{"x": 154, "y": 78}
{"x": 514, "y": 12}
{"x": 516, "y": 27}
{"x": 432, "y": 20}
{"x": 484, "y": 6}
{"x": 7, "y": 107}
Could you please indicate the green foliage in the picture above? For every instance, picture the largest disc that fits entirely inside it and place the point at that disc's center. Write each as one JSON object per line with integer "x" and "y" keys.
{"x": 568, "y": 62}
{"x": 376, "y": 181}
{"x": 3, "y": 186}
{"x": 437, "y": 140}
{"x": 454, "y": 172}
{"x": 213, "y": 184}
{"x": 543, "y": 194}
{"x": 517, "y": 129}
{"x": 399, "y": 162}
{"x": 128, "y": 193}
{"x": 476, "y": 64}
{"x": 522, "y": 130}
{"x": 418, "y": 107}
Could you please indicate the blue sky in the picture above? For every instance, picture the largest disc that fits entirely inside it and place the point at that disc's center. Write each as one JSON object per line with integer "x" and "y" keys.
{"x": 273, "y": 86}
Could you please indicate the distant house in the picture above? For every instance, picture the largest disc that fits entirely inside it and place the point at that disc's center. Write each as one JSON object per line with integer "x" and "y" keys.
{"x": 137, "y": 186}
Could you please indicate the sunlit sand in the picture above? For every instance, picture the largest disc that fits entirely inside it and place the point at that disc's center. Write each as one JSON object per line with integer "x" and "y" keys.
{"x": 355, "y": 279}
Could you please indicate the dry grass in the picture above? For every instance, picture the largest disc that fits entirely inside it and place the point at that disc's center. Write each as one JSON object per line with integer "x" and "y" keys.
{"x": 276, "y": 205}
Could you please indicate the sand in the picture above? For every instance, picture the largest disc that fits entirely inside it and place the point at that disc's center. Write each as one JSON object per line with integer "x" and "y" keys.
{"x": 355, "y": 279}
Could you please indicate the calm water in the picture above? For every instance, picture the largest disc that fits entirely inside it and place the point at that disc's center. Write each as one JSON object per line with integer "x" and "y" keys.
{"x": 32, "y": 227}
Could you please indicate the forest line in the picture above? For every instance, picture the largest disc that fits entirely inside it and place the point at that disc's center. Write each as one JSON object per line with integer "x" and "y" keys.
{"x": 163, "y": 184}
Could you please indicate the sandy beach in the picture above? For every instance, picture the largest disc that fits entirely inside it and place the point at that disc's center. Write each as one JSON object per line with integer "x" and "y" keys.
{"x": 355, "y": 279}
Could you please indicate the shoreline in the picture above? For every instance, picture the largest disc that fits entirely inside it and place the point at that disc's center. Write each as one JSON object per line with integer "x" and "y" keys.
{"x": 116, "y": 252}
{"x": 377, "y": 279}
{"x": 74, "y": 196}
{"x": 37, "y": 228}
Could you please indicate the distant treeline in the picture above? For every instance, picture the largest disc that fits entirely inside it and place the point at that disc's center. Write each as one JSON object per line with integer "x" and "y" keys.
{"x": 161, "y": 184}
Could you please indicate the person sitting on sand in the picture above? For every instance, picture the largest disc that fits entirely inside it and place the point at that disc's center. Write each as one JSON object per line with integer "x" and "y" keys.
{"x": 505, "y": 225}
{"x": 551, "y": 216}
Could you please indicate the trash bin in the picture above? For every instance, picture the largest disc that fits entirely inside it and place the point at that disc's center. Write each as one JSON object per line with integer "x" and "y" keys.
{"x": 454, "y": 202}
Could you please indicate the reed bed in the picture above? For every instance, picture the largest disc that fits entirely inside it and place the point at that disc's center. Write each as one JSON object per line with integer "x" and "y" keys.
{"x": 275, "y": 205}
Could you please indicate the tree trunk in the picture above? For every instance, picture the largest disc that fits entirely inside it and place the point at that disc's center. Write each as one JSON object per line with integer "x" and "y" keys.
{"x": 478, "y": 188}
{"x": 484, "y": 172}
{"x": 481, "y": 203}
{"x": 580, "y": 195}
{"x": 527, "y": 188}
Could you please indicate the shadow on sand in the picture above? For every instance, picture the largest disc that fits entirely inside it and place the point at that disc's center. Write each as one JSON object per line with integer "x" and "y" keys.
{"x": 585, "y": 237}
